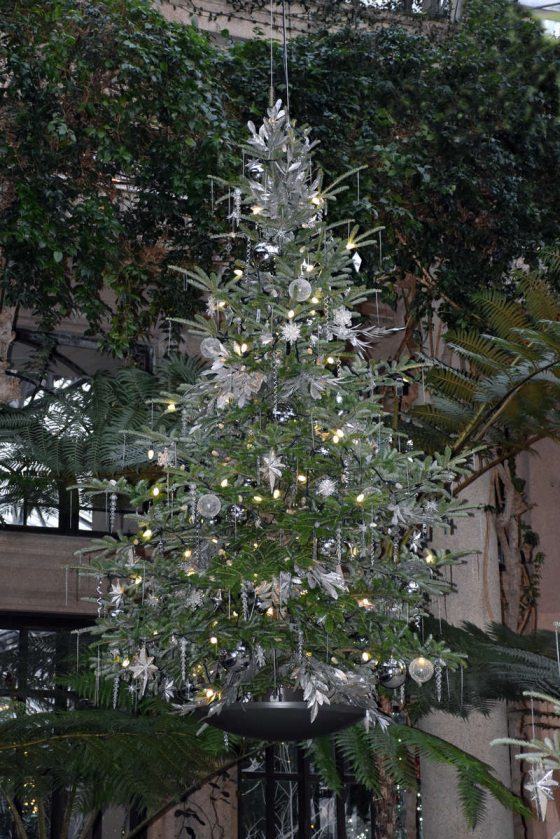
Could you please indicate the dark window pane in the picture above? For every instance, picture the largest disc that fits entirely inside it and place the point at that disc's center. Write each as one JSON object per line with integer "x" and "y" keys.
{"x": 41, "y": 658}
{"x": 253, "y": 809}
{"x": 323, "y": 813}
{"x": 286, "y": 809}
{"x": 357, "y": 806}
{"x": 9, "y": 655}
{"x": 285, "y": 757}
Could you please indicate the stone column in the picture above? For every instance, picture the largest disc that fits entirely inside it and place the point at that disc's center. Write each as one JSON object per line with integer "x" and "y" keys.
{"x": 477, "y": 600}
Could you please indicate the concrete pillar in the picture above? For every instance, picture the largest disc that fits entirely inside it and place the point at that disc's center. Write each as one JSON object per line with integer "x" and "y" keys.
{"x": 541, "y": 473}
{"x": 477, "y": 600}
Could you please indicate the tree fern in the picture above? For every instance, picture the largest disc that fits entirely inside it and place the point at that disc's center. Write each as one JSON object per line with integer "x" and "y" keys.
{"x": 322, "y": 752}
{"x": 357, "y": 749}
{"x": 479, "y": 350}
{"x": 502, "y": 314}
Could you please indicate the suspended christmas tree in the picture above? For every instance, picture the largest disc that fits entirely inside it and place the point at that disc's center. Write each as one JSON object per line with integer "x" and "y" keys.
{"x": 283, "y": 545}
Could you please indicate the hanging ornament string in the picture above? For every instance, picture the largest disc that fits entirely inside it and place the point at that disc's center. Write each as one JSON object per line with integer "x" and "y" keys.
{"x": 271, "y": 90}
{"x": 285, "y": 57}
{"x": 556, "y": 629}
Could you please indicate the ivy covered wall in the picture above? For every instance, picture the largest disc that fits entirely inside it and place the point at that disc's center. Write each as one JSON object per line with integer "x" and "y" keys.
{"x": 460, "y": 136}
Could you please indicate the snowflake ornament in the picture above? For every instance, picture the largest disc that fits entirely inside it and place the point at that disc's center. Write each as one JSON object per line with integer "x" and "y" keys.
{"x": 272, "y": 468}
{"x": 541, "y": 788}
{"x": 163, "y": 458}
{"x": 168, "y": 690}
{"x": 143, "y": 669}
{"x": 116, "y": 595}
{"x": 211, "y": 306}
{"x": 291, "y": 332}
{"x": 342, "y": 317}
{"x": 326, "y": 487}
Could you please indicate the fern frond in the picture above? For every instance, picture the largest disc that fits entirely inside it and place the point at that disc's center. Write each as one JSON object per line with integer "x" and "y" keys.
{"x": 479, "y": 350}
{"x": 475, "y": 778}
{"x": 321, "y": 751}
{"x": 542, "y": 303}
{"x": 356, "y": 748}
{"x": 451, "y": 384}
{"x": 502, "y": 314}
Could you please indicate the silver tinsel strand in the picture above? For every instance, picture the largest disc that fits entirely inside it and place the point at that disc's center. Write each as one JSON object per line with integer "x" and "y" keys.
{"x": 116, "y": 681}
{"x": 112, "y": 511}
{"x": 438, "y": 677}
{"x": 183, "y": 648}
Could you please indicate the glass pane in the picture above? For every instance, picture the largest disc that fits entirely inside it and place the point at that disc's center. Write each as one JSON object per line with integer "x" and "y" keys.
{"x": 285, "y": 757}
{"x": 39, "y": 705}
{"x": 12, "y": 514}
{"x": 255, "y": 763}
{"x": 286, "y": 809}
{"x": 41, "y": 653}
{"x": 9, "y": 653}
{"x": 323, "y": 813}
{"x": 357, "y": 806}
{"x": 42, "y": 517}
{"x": 253, "y": 809}
{"x": 86, "y": 519}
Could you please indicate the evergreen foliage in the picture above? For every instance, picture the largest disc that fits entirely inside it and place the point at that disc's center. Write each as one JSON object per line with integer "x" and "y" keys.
{"x": 101, "y": 185}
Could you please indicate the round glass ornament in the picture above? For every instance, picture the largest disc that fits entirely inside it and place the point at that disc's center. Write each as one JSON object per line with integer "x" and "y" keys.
{"x": 300, "y": 289}
{"x": 211, "y": 348}
{"x": 209, "y": 505}
{"x": 421, "y": 669}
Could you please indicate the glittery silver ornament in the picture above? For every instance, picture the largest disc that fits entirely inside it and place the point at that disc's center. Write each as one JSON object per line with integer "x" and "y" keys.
{"x": 264, "y": 252}
{"x": 328, "y": 547}
{"x": 392, "y": 673}
{"x": 237, "y": 513}
{"x": 208, "y": 505}
{"x": 283, "y": 413}
{"x": 255, "y": 169}
{"x": 211, "y": 348}
{"x": 300, "y": 289}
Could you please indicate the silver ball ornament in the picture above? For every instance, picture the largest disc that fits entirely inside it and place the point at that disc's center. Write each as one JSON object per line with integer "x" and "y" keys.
{"x": 392, "y": 673}
{"x": 237, "y": 513}
{"x": 264, "y": 252}
{"x": 283, "y": 413}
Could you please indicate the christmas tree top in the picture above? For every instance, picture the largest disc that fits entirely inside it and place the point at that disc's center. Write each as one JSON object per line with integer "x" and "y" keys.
{"x": 285, "y": 541}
